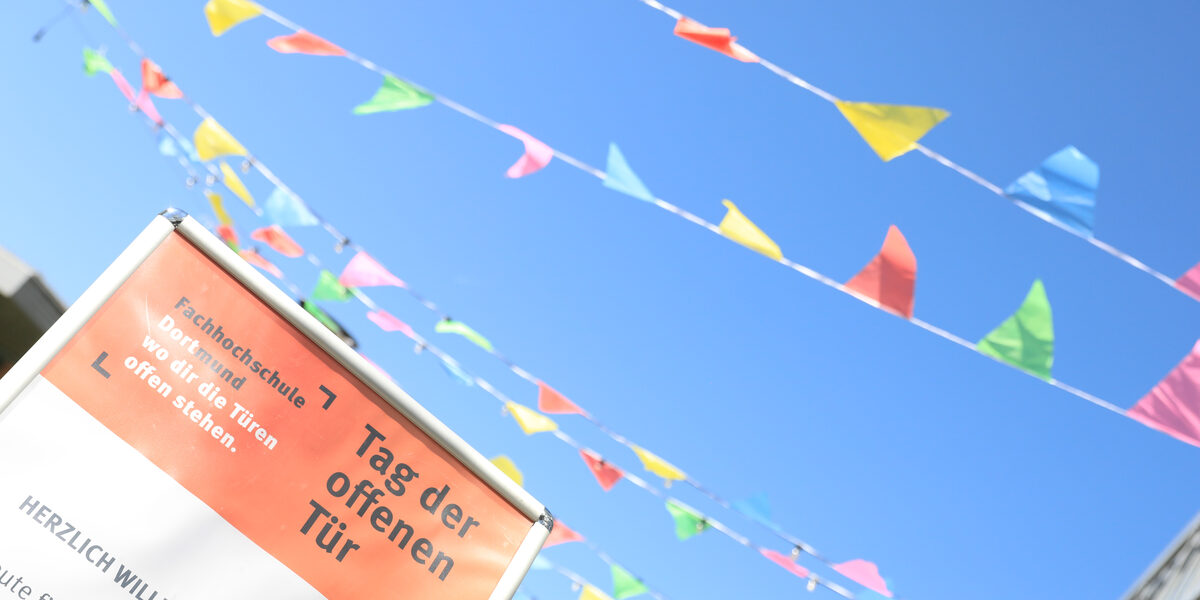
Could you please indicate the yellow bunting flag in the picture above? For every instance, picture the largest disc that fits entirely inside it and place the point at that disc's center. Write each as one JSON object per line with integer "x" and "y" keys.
{"x": 218, "y": 207}
{"x": 222, "y": 15}
{"x": 531, "y": 421}
{"x": 212, "y": 141}
{"x": 658, "y": 466}
{"x": 235, "y": 185}
{"x": 508, "y": 467}
{"x": 738, "y": 228}
{"x": 891, "y": 129}
{"x": 590, "y": 592}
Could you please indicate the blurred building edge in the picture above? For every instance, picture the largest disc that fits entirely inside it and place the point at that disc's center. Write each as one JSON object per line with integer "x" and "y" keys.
{"x": 1175, "y": 575}
{"x": 27, "y": 308}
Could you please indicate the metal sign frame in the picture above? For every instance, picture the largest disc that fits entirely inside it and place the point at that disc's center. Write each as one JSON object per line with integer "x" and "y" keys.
{"x": 174, "y": 221}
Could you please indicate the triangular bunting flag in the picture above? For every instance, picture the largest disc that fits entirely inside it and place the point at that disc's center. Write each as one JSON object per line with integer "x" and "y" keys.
{"x": 591, "y": 592}
{"x": 364, "y": 271}
{"x": 541, "y": 564}
{"x": 229, "y": 236}
{"x": 224, "y": 14}
{"x": 552, "y": 402}
{"x": 329, "y": 288}
{"x": 94, "y": 62}
{"x": 235, "y": 185}
{"x": 561, "y": 534}
{"x": 1189, "y": 283}
{"x": 253, "y": 257}
{"x": 738, "y": 228}
{"x": 218, "y": 207}
{"x": 389, "y": 323}
{"x": 122, "y": 84}
{"x": 757, "y": 507}
{"x": 688, "y": 522}
{"x": 212, "y": 141}
{"x": 102, "y": 7}
{"x": 508, "y": 467}
{"x": 619, "y": 176}
{"x": 786, "y": 562}
{"x": 625, "y": 585}
{"x": 394, "y": 94}
{"x": 1173, "y": 406}
{"x": 658, "y": 466}
{"x": 457, "y": 373}
{"x": 537, "y": 154}
{"x": 531, "y": 421}
{"x": 282, "y": 208}
{"x": 713, "y": 38}
{"x": 156, "y": 83}
{"x": 890, "y": 129}
{"x": 168, "y": 147}
{"x": 891, "y": 276}
{"x": 1064, "y": 187}
{"x": 279, "y": 241}
{"x": 864, "y": 573}
{"x": 323, "y": 317}
{"x": 146, "y": 105}
{"x": 606, "y": 475}
{"x": 303, "y": 42}
{"x": 1026, "y": 339}
{"x": 460, "y": 328}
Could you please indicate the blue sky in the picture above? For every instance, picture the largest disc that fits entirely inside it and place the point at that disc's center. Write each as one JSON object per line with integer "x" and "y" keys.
{"x": 873, "y": 439}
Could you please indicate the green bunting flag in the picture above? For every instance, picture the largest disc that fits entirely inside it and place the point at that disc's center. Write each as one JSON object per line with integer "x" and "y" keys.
{"x": 1026, "y": 339}
{"x": 625, "y": 585}
{"x": 328, "y": 288}
{"x": 325, "y": 320}
{"x": 94, "y": 62}
{"x": 688, "y": 522}
{"x": 102, "y": 7}
{"x": 452, "y": 326}
{"x": 394, "y": 94}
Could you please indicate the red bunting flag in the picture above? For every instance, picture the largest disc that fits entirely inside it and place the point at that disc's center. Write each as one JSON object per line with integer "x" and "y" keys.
{"x": 253, "y": 257}
{"x": 228, "y": 235}
{"x": 279, "y": 241}
{"x": 561, "y": 534}
{"x": 606, "y": 475}
{"x": 786, "y": 562}
{"x": 890, "y": 277}
{"x": 864, "y": 573}
{"x": 713, "y": 38}
{"x": 155, "y": 82}
{"x": 303, "y": 42}
{"x": 1173, "y": 406}
{"x": 551, "y": 401}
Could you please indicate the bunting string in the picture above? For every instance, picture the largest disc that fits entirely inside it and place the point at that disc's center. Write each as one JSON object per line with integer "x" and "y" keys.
{"x": 946, "y": 162}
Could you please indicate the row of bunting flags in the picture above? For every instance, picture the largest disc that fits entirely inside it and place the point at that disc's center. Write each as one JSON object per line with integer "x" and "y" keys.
{"x": 1066, "y": 180}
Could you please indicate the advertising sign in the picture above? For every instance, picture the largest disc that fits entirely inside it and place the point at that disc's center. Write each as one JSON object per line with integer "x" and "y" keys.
{"x": 187, "y": 431}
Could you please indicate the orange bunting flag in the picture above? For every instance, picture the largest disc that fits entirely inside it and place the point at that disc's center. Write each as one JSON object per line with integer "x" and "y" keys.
{"x": 550, "y": 401}
{"x": 561, "y": 534}
{"x": 713, "y": 38}
{"x": 303, "y": 42}
{"x": 228, "y": 235}
{"x": 253, "y": 257}
{"x": 890, "y": 277}
{"x": 606, "y": 475}
{"x": 279, "y": 241}
{"x": 156, "y": 83}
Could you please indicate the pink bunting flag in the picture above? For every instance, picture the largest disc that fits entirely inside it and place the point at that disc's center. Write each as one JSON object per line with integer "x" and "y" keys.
{"x": 537, "y": 154}
{"x": 122, "y": 84}
{"x": 786, "y": 562}
{"x": 606, "y": 475}
{"x": 864, "y": 573}
{"x": 146, "y": 105}
{"x": 551, "y": 401}
{"x": 303, "y": 42}
{"x": 1189, "y": 283}
{"x": 890, "y": 277}
{"x": 389, "y": 323}
{"x": 364, "y": 271}
{"x": 253, "y": 257}
{"x": 1173, "y": 406}
{"x": 279, "y": 241}
{"x": 561, "y": 534}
